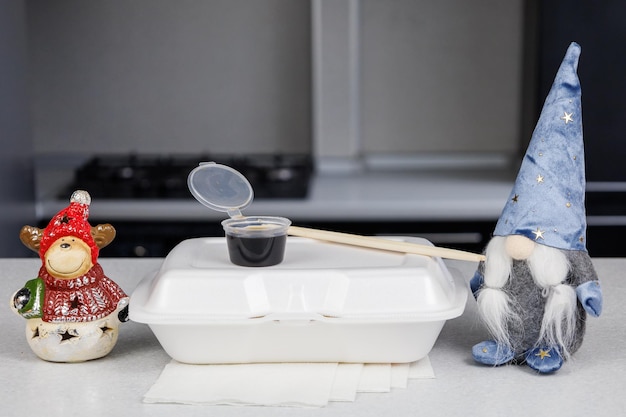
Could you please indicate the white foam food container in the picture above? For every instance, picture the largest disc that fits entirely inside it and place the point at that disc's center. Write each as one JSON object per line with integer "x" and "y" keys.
{"x": 324, "y": 303}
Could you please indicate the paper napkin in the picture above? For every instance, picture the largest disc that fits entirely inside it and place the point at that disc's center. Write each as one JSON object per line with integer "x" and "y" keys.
{"x": 279, "y": 384}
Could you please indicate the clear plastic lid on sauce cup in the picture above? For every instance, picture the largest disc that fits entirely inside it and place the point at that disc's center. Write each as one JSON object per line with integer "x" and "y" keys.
{"x": 251, "y": 241}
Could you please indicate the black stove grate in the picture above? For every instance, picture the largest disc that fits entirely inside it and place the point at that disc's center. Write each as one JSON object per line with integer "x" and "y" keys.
{"x": 165, "y": 177}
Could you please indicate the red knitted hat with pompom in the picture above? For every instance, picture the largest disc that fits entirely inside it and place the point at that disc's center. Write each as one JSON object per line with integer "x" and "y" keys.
{"x": 71, "y": 221}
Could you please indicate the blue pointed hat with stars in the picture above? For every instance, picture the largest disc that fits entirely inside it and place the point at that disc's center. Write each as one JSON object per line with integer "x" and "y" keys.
{"x": 547, "y": 203}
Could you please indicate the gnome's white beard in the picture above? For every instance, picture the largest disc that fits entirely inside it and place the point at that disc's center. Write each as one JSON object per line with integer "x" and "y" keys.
{"x": 549, "y": 268}
{"x": 494, "y": 305}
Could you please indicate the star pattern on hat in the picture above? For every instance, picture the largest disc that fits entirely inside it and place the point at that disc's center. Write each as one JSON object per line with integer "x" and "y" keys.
{"x": 547, "y": 201}
{"x": 567, "y": 117}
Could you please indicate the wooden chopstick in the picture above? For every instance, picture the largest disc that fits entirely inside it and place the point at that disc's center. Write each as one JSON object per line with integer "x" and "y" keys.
{"x": 383, "y": 244}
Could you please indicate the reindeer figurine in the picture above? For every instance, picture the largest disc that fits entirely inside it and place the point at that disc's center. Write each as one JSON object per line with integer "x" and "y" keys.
{"x": 72, "y": 309}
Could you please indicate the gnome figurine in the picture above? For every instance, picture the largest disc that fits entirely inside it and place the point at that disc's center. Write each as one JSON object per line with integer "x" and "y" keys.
{"x": 537, "y": 283}
{"x": 72, "y": 309}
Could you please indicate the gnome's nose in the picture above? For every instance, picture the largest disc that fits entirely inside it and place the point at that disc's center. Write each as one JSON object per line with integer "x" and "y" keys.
{"x": 65, "y": 245}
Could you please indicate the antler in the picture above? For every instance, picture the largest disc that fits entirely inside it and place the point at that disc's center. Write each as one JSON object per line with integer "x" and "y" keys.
{"x": 103, "y": 234}
{"x": 31, "y": 236}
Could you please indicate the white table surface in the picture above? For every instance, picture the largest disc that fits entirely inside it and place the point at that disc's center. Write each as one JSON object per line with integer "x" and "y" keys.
{"x": 592, "y": 384}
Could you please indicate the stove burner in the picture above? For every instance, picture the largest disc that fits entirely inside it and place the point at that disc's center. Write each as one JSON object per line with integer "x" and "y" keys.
{"x": 165, "y": 177}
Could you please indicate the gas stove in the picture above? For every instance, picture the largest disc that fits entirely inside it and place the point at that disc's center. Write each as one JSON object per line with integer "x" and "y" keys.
{"x": 141, "y": 176}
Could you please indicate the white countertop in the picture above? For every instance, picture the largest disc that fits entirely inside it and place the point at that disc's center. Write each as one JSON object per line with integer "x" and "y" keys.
{"x": 592, "y": 384}
{"x": 419, "y": 195}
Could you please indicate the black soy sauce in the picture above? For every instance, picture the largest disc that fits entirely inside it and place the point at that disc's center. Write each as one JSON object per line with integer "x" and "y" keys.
{"x": 256, "y": 251}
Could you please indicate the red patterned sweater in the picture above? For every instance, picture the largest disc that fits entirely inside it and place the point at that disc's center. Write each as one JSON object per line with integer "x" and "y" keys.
{"x": 86, "y": 298}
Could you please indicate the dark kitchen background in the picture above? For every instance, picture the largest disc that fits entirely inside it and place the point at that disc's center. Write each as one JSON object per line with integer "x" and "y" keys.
{"x": 392, "y": 118}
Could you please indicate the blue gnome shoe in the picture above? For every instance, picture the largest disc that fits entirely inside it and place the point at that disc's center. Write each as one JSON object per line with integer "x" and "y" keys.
{"x": 544, "y": 359}
{"x": 490, "y": 352}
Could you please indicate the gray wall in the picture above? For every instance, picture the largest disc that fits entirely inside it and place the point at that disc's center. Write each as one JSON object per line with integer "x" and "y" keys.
{"x": 170, "y": 76}
{"x": 235, "y": 76}
{"x": 17, "y": 206}
{"x": 441, "y": 75}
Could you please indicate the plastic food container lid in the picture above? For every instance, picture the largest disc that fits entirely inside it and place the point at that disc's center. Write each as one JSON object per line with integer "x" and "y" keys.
{"x": 220, "y": 187}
